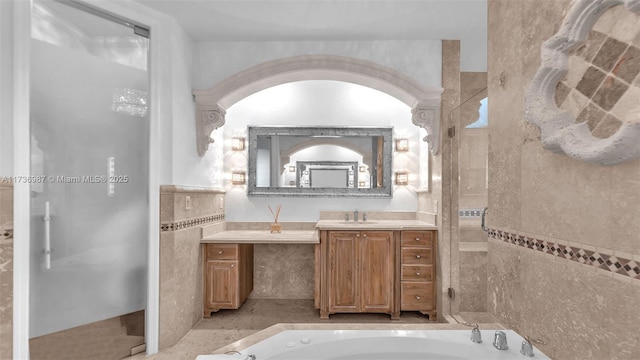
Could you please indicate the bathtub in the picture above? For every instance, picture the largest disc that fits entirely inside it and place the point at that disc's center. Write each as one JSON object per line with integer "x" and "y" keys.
{"x": 378, "y": 345}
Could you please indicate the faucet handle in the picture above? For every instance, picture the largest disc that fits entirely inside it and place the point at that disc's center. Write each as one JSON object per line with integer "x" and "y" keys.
{"x": 527, "y": 348}
{"x": 476, "y": 336}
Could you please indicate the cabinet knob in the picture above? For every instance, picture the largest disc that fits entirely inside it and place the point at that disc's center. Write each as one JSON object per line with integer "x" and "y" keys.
{"x": 358, "y": 235}
{"x": 220, "y": 252}
{"x": 418, "y": 256}
{"x": 417, "y": 239}
{"x": 417, "y": 273}
{"x": 233, "y": 265}
{"x": 417, "y": 297}
{"x": 365, "y": 235}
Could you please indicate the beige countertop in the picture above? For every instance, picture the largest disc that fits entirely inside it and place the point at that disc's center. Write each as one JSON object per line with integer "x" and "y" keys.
{"x": 263, "y": 237}
{"x": 375, "y": 225}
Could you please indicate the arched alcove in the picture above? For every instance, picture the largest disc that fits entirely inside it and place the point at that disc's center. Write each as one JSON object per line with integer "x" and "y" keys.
{"x": 212, "y": 103}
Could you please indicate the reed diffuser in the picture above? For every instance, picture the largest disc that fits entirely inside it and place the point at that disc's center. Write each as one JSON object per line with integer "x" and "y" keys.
{"x": 275, "y": 227}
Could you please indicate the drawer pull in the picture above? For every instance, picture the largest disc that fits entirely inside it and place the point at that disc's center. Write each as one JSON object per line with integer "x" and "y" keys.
{"x": 418, "y": 257}
{"x": 220, "y": 252}
{"x": 233, "y": 265}
{"x": 417, "y": 297}
{"x": 417, "y": 239}
{"x": 417, "y": 273}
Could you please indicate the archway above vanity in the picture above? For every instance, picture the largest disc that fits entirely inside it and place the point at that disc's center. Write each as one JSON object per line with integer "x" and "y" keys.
{"x": 211, "y": 104}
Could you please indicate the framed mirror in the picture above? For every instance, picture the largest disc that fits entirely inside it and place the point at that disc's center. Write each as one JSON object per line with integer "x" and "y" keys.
{"x": 320, "y": 161}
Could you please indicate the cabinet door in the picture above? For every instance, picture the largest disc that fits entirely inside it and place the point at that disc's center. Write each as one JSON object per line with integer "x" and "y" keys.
{"x": 221, "y": 287}
{"x": 344, "y": 284}
{"x": 377, "y": 258}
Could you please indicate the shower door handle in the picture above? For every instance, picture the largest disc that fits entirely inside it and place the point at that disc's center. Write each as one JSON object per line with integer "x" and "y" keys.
{"x": 47, "y": 236}
{"x": 484, "y": 224}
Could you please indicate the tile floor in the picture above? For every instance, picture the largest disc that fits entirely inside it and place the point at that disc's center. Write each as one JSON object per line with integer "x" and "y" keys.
{"x": 228, "y": 326}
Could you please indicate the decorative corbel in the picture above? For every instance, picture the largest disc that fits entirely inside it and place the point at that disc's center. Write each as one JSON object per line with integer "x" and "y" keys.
{"x": 207, "y": 120}
{"x": 426, "y": 114}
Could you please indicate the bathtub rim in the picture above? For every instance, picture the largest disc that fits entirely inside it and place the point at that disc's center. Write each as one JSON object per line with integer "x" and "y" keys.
{"x": 264, "y": 334}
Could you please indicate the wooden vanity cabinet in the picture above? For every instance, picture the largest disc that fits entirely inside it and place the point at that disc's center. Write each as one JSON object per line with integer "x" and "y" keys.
{"x": 417, "y": 274}
{"x": 360, "y": 273}
{"x": 228, "y": 276}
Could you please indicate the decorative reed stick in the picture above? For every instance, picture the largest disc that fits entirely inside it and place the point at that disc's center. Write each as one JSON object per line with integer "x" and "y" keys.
{"x": 275, "y": 227}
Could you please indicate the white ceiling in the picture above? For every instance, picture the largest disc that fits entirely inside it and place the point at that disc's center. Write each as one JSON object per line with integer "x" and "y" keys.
{"x": 292, "y": 20}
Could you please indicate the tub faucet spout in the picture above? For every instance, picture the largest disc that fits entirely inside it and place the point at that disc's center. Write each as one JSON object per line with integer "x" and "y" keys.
{"x": 500, "y": 341}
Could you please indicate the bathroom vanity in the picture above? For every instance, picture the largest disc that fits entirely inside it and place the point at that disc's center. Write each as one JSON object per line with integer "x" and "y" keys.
{"x": 376, "y": 267}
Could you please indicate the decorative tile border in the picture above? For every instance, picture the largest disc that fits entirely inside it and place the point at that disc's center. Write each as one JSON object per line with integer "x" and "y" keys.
{"x": 180, "y": 225}
{"x": 598, "y": 259}
{"x": 6, "y": 234}
{"x": 470, "y": 212}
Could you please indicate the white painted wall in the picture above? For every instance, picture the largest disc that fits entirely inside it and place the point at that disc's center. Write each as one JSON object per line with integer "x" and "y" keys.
{"x": 6, "y": 88}
{"x": 318, "y": 103}
{"x": 419, "y": 59}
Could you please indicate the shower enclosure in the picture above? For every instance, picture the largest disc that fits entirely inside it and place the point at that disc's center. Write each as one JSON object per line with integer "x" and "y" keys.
{"x": 89, "y": 177}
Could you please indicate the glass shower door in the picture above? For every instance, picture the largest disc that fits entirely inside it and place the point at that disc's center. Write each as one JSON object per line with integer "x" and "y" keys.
{"x": 89, "y": 166}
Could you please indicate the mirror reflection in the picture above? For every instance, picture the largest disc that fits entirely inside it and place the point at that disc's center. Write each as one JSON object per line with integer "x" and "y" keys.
{"x": 320, "y": 161}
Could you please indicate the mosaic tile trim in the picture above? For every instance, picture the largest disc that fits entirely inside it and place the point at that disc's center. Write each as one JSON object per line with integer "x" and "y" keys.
{"x": 470, "y": 212}
{"x": 6, "y": 234}
{"x": 607, "y": 262}
{"x": 190, "y": 223}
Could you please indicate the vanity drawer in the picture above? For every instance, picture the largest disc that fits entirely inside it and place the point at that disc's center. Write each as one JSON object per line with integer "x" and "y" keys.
{"x": 416, "y": 273}
{"x": 417, "y": 239}
{"x": 416, "y": 256}
{"x": 222, "y": 251}
{"x": 416, "y": 296}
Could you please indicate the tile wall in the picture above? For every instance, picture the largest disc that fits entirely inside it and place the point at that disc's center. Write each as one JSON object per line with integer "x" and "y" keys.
{"x": 565, "y": 237}
{"x": 181, "y": 267}
{"x": 6, "y": 269}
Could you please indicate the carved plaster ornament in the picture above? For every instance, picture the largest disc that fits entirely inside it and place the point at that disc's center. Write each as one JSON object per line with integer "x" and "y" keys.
{"x": 426, "y": 114}
{"x": 559, "y": 131}
{"x": 207, "y": 121}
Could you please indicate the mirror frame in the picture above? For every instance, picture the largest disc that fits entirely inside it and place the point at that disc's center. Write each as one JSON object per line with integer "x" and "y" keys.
{"x": 387, "y": 161}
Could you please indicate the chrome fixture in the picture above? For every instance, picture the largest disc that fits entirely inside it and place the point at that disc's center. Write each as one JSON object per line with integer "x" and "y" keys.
{"x": 476, "y": 336}
{"x": 355, "y": 215}
{"x": 364, "y": 216}
{"x": 346, "y": 216}
{"x": 527, "y": 348}
{"x": 500, "y": 340}
{"x": 484, "y": 224}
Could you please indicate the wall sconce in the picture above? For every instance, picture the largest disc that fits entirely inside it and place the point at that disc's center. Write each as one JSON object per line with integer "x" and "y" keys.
{"x": 292, "y": 169}
{"x": 402, "y": 144}
{"x": 362, "y": 168}
{"x": 237, "y": 144}
{"x": 402, "y": 178}
{"x": 238, "y": 178}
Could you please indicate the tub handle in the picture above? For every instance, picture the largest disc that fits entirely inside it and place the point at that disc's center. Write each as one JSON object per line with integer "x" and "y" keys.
{"x": 484, "y": 224}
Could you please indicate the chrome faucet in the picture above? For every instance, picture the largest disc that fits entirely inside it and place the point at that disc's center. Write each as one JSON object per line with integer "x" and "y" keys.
{"x": 476, "y": 336}
{"x": 346, "y": 216}
{"x": 527, "y": 348}
{"x": 500, "y": 341}
{"x": 364, "y": 216}
{"x": 355, "y": 215}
